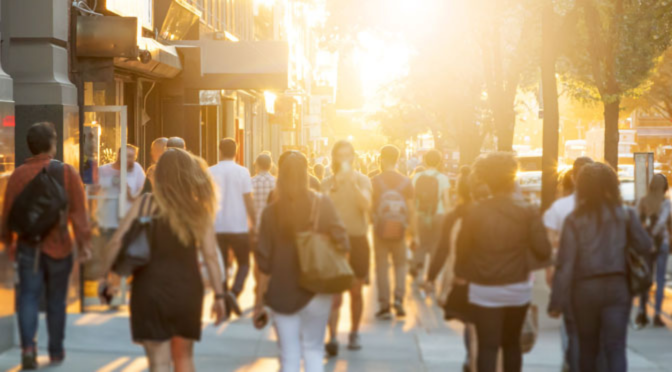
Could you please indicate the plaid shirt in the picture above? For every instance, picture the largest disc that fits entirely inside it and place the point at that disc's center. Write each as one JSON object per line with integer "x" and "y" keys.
{"x": 53, "y": 244}
{"x": 262, "y": 185}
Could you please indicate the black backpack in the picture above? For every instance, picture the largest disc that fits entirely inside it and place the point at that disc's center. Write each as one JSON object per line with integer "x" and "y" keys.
{"x": 41, "y": 205}
{"x": 427, "y": 194}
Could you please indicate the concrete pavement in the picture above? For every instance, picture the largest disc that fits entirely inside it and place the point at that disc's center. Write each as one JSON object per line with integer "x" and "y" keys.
{"x": 101, "y": 342}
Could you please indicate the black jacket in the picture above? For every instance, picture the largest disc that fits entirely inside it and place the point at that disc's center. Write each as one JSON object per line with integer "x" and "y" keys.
{"x": 592, "y": 247}
{"x": 501, "y": 241}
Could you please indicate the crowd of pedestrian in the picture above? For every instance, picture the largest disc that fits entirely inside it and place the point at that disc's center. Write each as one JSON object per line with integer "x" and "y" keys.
{"x": 480, "y": 240}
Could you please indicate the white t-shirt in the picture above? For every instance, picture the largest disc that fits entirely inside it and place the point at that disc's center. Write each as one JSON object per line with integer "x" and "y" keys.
{"x": 109, "y": 180}
{"x": 233, "y": 181}
{"x": 517, "y": 294}
{"x": 555, "y": 216}
{"x": 444, "y": 185}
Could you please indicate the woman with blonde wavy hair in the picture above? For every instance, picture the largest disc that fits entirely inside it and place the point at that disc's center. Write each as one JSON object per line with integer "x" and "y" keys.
{"x": 167, "y": 293}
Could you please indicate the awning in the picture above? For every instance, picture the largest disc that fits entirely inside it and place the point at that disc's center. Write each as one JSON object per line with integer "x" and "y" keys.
{"x": 216, "y": 64}
{"x": 165, "y": 62}
{"x": 654, "y": 132}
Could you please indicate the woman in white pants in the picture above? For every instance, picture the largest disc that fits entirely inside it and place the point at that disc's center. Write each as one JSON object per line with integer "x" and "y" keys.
{"x": 299, "y": 316}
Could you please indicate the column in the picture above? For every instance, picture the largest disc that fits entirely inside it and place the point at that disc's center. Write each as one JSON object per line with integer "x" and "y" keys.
{"x": 38, "y": 62}
{"x": 6, "y": 167}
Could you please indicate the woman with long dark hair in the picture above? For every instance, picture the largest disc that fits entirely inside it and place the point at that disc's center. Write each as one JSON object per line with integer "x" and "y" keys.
{"x": 654, "y": 212}
{"x": 167, "y": 293}
{"x": 591, "y": 268}
{"x": 501, "y": 241}
{"x": 299, "y": 315}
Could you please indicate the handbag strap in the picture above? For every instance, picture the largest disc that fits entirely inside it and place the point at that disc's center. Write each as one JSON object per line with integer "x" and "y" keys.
{"x": 146, "y": 206}
{"x": 315, "y": 211}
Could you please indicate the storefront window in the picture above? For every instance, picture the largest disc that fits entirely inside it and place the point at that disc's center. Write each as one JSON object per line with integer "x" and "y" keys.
{"x": 102, "y": 139}
{"x": 71, "y": 136}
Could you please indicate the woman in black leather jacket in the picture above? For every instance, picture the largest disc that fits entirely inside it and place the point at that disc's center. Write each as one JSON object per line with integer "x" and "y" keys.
{"x": 591, "y": 269}
{"x": 501, "y": 241}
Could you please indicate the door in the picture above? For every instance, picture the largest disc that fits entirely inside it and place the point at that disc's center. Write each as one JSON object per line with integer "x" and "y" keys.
{"x": 104, "y": 139}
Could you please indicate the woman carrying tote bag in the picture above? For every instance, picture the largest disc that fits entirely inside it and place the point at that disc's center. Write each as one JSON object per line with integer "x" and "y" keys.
{"x": 167, "y": 292}
{"x": 299, "y": 314}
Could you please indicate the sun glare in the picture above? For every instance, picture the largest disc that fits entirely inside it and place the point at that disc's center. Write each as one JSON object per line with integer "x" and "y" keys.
{"x": 381, "y": 62}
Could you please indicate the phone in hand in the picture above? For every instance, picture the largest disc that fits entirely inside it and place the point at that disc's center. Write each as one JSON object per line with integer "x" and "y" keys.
{"x": 260, "y": 320}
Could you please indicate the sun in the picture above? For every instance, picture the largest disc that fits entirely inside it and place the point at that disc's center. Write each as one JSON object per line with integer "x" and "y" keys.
{"x": 380, "y": 62}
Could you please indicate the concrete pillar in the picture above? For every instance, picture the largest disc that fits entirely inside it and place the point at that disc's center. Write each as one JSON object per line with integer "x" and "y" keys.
{"x": 37, "y": 60}
{"x": 6, "y": 149}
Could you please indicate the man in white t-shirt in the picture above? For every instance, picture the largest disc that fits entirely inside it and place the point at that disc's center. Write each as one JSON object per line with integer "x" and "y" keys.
{"x": 235, "y": 220}
{"x": 109, "y": 180}
{"x": 554, "y": 219}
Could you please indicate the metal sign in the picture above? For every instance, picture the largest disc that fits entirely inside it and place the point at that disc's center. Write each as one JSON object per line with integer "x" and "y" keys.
{"x": 643, "y": 173}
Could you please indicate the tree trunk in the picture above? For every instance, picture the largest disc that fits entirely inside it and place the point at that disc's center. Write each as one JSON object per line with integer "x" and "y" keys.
{"x": 469, "y": 143}
{"x": 611, "y": 136}
{"x": 505, "y": 119}
{"x": 549, "y": 159}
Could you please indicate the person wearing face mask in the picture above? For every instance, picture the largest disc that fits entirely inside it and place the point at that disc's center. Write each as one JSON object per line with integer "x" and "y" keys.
{"x": 351, "y": 193}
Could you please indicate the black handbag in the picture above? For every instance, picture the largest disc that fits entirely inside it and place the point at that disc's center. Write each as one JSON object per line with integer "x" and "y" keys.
{"x": 457, "y": 304}
{"x": 136, "y": 244}
{"x": 640, "y": 278}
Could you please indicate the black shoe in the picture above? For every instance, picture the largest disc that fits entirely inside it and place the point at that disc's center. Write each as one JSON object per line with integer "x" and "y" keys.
{"x": 384, "y": 314}
{"x": 56, "y": 359}
{"x": 399, "y": 309}
{"x": 642, "y": 320}
{"x": 658, "y": 322}
{"x": 29, "y": 360}
{"x": 331, "y": 348}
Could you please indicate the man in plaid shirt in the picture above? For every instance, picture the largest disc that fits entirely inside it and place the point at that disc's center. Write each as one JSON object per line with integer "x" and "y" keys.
{"x": 262, "y": 185}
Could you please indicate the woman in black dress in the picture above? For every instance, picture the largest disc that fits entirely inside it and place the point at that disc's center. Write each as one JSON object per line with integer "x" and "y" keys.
{"x": 167, "y": 294}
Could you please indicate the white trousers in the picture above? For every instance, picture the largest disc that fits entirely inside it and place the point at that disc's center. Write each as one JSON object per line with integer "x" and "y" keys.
{"x": 302, "y": 335}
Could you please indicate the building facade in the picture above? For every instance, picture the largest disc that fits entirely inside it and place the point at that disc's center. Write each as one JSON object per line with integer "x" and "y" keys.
{"x": 198, "y": 69}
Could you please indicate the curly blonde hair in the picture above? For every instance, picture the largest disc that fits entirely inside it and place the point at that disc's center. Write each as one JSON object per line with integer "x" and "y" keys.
{"x": 185, "y": 195}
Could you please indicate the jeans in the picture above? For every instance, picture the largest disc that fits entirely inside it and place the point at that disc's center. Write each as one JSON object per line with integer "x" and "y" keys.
{"x": 499, "y": 328}
{"x": 570, "y": 341}
{"x": 383, "y": 249}
{"x": 53, "y": 276}
{"x": 601, "y": 308}
{"x": 240, "y": 244}
{"x": 302, "y": 334}
{"x": 661, "y": 268}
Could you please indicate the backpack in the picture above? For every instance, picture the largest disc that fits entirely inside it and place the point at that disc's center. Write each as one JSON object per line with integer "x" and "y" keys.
{"x": 427, "y": 194}
{"x": 391, "y": 213}
{"x": 41, "y": 205}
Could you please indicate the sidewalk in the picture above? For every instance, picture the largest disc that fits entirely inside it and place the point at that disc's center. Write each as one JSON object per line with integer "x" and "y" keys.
{"x": 100, "y": 342}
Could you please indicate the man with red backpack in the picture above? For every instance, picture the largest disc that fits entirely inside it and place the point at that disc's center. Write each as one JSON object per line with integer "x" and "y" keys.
{"x": 393, "y": 222}
{"x": 42, "y": 198}
{"x": 431, "y": 202}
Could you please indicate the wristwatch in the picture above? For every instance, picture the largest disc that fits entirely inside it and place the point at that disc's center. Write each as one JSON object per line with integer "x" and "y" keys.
{"x": 220, "y": 296}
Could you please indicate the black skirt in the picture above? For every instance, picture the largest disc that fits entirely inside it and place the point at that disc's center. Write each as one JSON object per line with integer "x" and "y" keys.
{"x": 167, "y": 294}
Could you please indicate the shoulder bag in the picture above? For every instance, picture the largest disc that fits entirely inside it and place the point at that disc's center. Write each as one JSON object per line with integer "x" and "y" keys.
{"x": 324, "y": 268}
{"x": 640, "y": 278}
{"x": 135, "y": 249}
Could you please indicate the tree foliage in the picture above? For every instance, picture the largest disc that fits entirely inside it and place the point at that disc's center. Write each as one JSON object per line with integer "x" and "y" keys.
{"x": 611, "y": 52}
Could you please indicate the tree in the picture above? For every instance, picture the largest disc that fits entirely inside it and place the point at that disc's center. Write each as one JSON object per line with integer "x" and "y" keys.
{"x": 556, "y": 17}
{"x": 508, "y": 33}
{"x": 659, "y": 95}
{"x": 614, "y": 48}
{"x": 442, "y": 92}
